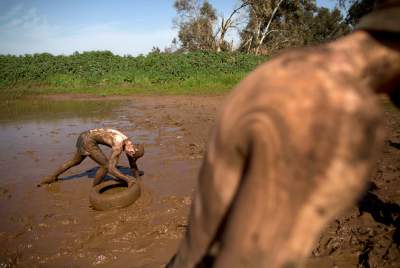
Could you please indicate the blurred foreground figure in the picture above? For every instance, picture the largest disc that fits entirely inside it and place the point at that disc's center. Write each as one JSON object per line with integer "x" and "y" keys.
{"x": 292, "y": 148}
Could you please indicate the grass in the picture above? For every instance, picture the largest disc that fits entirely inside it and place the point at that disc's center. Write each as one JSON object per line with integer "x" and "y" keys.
{"x": 201, "y": 85}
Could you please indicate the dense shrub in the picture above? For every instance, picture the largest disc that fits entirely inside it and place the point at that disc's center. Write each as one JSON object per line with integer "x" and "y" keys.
{"x": 103, "y": 68}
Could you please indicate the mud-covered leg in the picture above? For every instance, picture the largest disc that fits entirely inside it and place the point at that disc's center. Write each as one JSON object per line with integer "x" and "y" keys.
{"x": 99, "y": 157}
{"x": 76, "y": 160}
{"x": 100, "y": 174}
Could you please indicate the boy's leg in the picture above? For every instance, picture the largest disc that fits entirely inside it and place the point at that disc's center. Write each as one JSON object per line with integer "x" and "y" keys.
{"x": 100, "y": 174}
{"x": 76, "y": 160}
{"x": 100, "y": 158}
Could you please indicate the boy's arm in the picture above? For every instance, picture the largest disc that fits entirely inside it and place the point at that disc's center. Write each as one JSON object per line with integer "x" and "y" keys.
{"x": 134, "y": 168}
{"x": 112, "y": 165}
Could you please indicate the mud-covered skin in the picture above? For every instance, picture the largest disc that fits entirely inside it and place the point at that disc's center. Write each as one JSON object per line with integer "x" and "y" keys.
{"x": 384, "y": 18}
{"x": 87, "y": 145}
{"x": 291, "y": 149}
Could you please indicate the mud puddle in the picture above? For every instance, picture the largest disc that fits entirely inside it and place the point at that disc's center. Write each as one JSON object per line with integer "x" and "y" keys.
{"x": 55, "y": 226}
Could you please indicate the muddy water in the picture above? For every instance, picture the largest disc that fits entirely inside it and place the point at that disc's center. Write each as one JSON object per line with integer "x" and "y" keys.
{"x": 55, "y": 226}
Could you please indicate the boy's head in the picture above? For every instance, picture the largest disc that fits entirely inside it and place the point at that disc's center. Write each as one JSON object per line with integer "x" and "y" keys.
{"x": 133, "y": 150}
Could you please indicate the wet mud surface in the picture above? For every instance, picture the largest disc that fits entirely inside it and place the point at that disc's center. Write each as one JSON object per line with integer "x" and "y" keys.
{"x": 54, "y": 226}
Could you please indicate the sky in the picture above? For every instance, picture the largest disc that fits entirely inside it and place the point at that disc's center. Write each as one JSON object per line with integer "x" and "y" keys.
{"x": 124, "y": 27}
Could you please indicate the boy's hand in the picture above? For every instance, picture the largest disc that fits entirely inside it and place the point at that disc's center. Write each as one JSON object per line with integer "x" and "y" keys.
{"x": 130, "y": 182}
{"x": 47, "y": 180}
{"x": 137, "y": 173}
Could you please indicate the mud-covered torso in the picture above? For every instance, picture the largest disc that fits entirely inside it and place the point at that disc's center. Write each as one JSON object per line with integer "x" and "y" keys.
{"x": 316, "y": 99}
{"x": 104, "y": 136}
{"x": 311, "y": 124}
{"x": 108, "y": 137}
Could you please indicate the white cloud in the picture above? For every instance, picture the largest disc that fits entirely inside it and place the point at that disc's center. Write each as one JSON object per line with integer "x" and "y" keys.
{"x": 24, "y": 31}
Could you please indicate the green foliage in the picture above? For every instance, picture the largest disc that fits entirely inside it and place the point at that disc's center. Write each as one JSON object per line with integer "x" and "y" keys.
{"x": 294, "y": 24}
{"x": 326, "y": 25}
{"x": 102, "y": 69}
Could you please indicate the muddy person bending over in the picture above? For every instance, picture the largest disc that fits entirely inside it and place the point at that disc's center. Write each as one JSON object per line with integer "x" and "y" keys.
{"x": 88, "y": 145}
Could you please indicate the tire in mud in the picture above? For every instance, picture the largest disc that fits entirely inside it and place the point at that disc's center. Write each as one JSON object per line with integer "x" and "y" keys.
{"x": 102, "y": 201}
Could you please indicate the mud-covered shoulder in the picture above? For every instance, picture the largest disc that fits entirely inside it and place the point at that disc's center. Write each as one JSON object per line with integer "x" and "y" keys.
{"x": 366, "y": 126}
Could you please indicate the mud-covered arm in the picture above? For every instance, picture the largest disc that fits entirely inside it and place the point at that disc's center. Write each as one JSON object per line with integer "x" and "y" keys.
{"x": 134, "y": 168}
{"x": 112, "y": 165}
{"x": 217, "y": 183}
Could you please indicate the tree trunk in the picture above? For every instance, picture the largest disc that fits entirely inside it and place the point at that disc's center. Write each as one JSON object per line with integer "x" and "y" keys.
{"x": 266, "y": 30}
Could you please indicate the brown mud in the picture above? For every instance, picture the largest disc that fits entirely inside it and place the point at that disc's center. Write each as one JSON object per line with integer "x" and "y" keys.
{"x": 54, "y": 226}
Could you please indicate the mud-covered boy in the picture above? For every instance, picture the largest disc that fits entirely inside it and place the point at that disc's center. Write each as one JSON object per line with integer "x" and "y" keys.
{"x": 88, "y": 145}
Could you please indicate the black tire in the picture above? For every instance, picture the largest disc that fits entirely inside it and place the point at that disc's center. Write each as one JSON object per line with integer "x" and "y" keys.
{"x": 100, "y": 201}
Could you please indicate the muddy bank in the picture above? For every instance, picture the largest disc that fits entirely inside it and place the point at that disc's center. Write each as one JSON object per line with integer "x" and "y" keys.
{"x": 55, "y": 226}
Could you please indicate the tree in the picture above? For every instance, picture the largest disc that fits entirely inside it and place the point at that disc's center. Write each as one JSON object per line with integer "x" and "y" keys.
{"x": 274, "y": 22}
{"x": 200, "y": 28}
{"x": 195, "y": 23}
{"x": 226, "y": 25}
{"x": 258, "y": 13}
{"x": 277, "y": 24}
{"x": 327, "y": 25}
{"x": 268, "y": 25}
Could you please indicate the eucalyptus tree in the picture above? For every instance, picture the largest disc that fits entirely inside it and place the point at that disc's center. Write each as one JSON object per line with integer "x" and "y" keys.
{"x": 277, "y": 24}
{"x": 200, "y": 27}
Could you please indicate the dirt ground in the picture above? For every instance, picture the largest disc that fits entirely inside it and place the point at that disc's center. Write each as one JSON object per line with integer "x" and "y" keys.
{"x": 55, "y": 226}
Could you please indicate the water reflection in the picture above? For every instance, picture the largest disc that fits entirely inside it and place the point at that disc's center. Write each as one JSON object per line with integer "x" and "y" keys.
{"x": 47, "y": 109}
{"x": 37, "y": 135}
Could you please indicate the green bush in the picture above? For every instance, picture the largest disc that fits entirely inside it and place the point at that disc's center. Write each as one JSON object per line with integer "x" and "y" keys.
{"x": 102, "y": 68}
